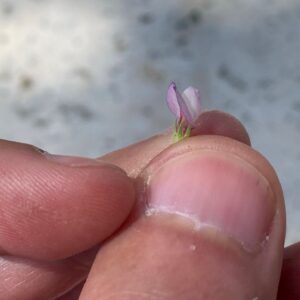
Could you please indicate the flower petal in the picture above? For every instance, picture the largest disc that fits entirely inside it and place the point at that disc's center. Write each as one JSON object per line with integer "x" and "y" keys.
{"x": 177, "y": 105}
{"x": 191, "y": 97}
{"x": 172, "y": 100}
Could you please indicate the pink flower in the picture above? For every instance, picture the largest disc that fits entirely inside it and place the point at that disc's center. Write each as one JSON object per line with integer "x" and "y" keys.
{"x": 186, "y": 106}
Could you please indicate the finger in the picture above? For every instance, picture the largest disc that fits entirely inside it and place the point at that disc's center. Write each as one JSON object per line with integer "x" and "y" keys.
{"x": 25, "y": 279}
{"x": 213, "y": 228}
{"x": 52, "y": 207}
{"x": 228, "y": 126}
{"x": 220, "y": 123}
{"x": 74, "y": 293}
{"x": 135, "y": 157}
{"x": 289, "y": 286}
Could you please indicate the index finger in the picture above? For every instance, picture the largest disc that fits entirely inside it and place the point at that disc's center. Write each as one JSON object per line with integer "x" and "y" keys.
{"x": 52, "y": 207}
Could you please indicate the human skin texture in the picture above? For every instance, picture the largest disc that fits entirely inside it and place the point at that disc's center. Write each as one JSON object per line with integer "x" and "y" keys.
{"x": 199, "y": 219}
{"x": 210, "y": 224}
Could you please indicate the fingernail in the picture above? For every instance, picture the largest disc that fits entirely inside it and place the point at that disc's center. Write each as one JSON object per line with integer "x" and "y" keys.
{"x": 215, "y": 189}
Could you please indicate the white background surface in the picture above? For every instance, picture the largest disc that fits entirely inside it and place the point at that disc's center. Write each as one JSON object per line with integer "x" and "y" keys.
{"x": 87, "y": 77}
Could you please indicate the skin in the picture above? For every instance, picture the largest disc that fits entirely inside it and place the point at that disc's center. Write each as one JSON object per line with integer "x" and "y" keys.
{"x": 56, "y": 211}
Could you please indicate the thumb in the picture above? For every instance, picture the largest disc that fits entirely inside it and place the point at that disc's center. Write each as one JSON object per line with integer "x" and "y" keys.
{"x": 213, "y": 228}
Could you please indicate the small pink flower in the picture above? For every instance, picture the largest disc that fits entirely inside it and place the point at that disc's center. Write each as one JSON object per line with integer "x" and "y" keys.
{"x": 186, "y": 108}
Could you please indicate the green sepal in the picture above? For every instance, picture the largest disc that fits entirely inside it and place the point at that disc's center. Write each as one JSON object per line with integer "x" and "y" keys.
{"x": 180, "y": 134}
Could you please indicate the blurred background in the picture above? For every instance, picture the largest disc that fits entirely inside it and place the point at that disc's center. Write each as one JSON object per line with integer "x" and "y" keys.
{"x": 87, "y": 77}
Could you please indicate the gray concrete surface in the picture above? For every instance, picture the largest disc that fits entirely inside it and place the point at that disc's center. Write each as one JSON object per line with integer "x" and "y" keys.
{"x": 86, "y": 77}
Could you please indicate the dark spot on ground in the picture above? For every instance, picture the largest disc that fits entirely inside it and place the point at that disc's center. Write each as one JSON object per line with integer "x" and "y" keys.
{"x": 8, "y": 8}
{"x": 223, "y": 71}
{"x": 152, "y": 73}
{"x": 25, "y": 112}
{"x": 40, "y": 122}
{"x": 146, "y": 18}
{"x": 296, "y": 106}
{"x": 191, "y": 19}
{"x": 75, "y": 110}
{"x": 182, "y": 40}
{"x": 26, "y": 83}
{"x": 264, "y": 83}
{"x": 195, "y": 16}
{"x": 83, "y": 73}
{"x": 227, "y": 75}
{"x": 147, "y": 111}
{"x": 182, "y": 24}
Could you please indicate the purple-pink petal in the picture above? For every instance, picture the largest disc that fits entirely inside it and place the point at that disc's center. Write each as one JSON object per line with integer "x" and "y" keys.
{"x": 172, "y": 100}
{"x": 191, "y": 97}
{"x": 177, "y": 104}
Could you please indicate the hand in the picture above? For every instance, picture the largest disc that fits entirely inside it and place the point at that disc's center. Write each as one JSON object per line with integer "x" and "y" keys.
{"x": 53, "y": 209}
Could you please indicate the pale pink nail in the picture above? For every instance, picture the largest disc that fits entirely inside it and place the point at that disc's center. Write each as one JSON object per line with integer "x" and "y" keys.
{"x": 218, "y": 190}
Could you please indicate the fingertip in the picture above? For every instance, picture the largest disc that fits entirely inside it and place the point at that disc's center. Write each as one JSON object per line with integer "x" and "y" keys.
{"x": 223, "y": 124}
{"x": 52, "y": 209}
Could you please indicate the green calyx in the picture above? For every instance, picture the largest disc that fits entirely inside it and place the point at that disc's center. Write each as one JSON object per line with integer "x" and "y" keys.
{"x": 181, "y": 132}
